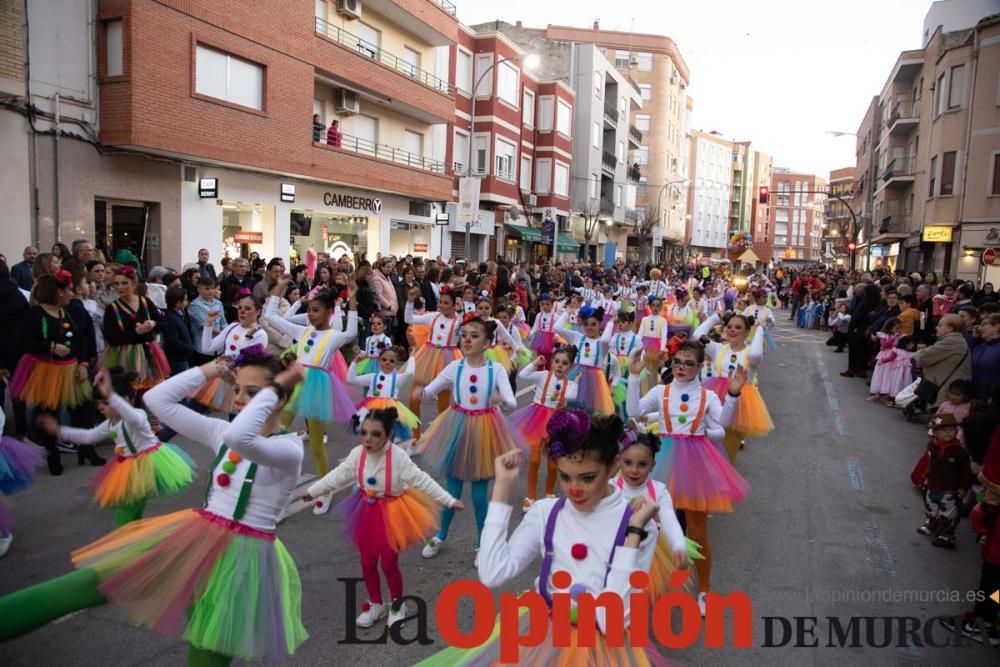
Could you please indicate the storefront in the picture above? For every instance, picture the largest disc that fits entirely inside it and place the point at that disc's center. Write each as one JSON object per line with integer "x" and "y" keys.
{"x": 974, "y": 239}
{"x": 480, "y": 232}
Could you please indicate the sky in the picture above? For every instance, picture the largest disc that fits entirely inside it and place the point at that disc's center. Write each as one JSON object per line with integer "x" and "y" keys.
{"x": 781, "y": 73}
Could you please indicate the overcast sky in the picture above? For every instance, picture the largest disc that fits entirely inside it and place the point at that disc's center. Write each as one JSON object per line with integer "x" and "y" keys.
{"x": 778, "y": 72}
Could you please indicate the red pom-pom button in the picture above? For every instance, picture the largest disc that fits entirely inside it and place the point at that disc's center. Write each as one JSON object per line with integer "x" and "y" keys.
{"x": 473, "y": 378}
{"x": 222, "y": 480}
{"x": 232, "y": 347}
{"x": 365, "y": 606}
{"x": 579, "y": 551}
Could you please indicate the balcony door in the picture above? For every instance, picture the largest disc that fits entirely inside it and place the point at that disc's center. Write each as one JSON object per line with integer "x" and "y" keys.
{"x": 369, "y": 40}
{"x": 366, "y": 131}
{"x": 411, "y": 61}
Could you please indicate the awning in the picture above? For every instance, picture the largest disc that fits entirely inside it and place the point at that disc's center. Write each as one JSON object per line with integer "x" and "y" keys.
{"x": 567, "y": 244}
{"x": 749, "y": 257}
{"x": 526, "y": 233}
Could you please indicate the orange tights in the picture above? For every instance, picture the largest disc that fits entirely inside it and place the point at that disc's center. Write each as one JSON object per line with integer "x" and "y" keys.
{"x": 534, "y": 463}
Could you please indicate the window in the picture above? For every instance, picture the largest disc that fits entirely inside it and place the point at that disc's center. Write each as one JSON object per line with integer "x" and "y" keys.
{"x": 411, "y": 61}
{"x": 370, "y": 40}
{"x": 483, "y": 63}
{"x": 562, "y": 179}
{"x": 623, "y": 108}
{"x": 956, "y": 89}
{"x": 563, "y": 123}
{"x": 932, "y": 177}
{"x": 646, "y": 91}
{"x": 995, "y": 180}
{"x": 939, "y": 96}
{"x": 525, "y": 182}
{"x": 463, "y": 71}
{"x": 546, "y": 108}
{"x": 595, "y": 186}
{"x": 619, "y": 195}
{"x": 480, "y": 153}
{"x": 621, "y": 152}
{"x": 543, "y": 175}
{"x": 948, "y": 173}
{"x": 598, "y": 84}
{"x": 528, "y": 109}
{"x": 505, "y": 155}
{"x": 642, "y": 155}
{"x": 460, "y": 151}
{"x": 644, "y": 61}
{"x": 414, "y": 143}
{"x": 366, "y": 131}
{"x": 595, "y": 135}
{"x": 508, "y": 83}
{"x": 622, "y": 60}
{"x": 229, "y": 78}
{"x": 115, "y": 49}
{"x": 642, "y": 122}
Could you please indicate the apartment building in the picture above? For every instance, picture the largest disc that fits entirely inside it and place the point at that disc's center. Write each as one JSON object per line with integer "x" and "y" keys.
{"x": 203, "y": 120}
{"x": 839, "y": 217}
{"x": 522, "y": 149}
{"x": 866, "y": 178}
{"x": 709, "y": 194}
{"x": 936, "y": 205}
{"x": 748, "y": 212}
{"x": 797, "y": 204}
{"x": 759, "y": 187}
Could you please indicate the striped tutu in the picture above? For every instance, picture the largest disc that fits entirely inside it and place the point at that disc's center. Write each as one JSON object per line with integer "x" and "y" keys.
{"x": 593, "y": 393}
{"x": 162, "y": 470}
{"x": 396, "y": 523}
{"x": 500, "y": 355}
{"x": 406, "y": 423}
{"x": 18, "y": 461}
{"x": 542, "y": 342}
{"x": 366, "y": 365}
{"x": 49, "y": 383}
{"x": 464, "y": 443}
{"x": 216, "y": 395}
{"x": 321, "y": 396}
{"x": 698, "y": 476}
{"x": 146, "y": 360}
{"x": 430, "y": 360}
{"x": 531, "y": 422}
{"x": 219, "y": 585}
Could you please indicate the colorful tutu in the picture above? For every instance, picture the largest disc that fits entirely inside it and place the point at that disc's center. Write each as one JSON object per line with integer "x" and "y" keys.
{"x": 661, "y": 568}
{"x": 430, "y": 360}
{"x": 49, "y": 384}
{"x": 523, "y": 328}
{"x": 522, "y": 357}
{"x": 652, "y": 344}
{"x": 216, "y": 395}
{"x": 18, "y": 461}
{"x": 144, "y": 359}
{"x": 698, "y": 476}
{"x": 751, "y": 417}
{"x": 159, "y": 471}
{"x": 717, "y": 384}
{"x": 542, "y": 342}
{"x": 500, "y": 355}
{"x": 339, "y": 365}
{"x": 418, "y": 335}
{"x": 531, "y": 422}
{"x": 396, "y": 523}
{"x": 219, "y": 585}
{"x": 463, "y": 444}
{"x": 593, "y": 393}
{"x": 321, "y": 396}
{"x": 366, "y": 366}
{"x": 619, "y": 392}
{"x": 406, "y": 423}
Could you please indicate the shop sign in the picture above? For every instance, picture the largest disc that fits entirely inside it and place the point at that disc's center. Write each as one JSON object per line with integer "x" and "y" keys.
{"x": 373, "y": 204}
{"x": 208, "y": 188}
{"x": 419, "y": 247}
{"x": 937, "y": 234}
{"x": 548, "y": 232}
{"x": 877, "y": 251}
{"x": 253, "y": 238}
{"x": 288, "y": 192}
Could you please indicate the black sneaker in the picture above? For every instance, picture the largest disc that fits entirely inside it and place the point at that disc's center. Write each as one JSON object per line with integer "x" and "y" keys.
{"x": 924, "y": 530}
{"x": 943, "y": 542}
{"x": 67, "y": 447}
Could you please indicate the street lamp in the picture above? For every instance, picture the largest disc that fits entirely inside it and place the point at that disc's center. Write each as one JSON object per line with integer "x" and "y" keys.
{"x": 659, "y": 198}
{"x": 839, "y": 133}
{"x": 530, "y": 61}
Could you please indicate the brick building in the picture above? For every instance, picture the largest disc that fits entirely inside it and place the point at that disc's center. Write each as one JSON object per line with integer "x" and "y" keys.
{"x": 796, "y": 217}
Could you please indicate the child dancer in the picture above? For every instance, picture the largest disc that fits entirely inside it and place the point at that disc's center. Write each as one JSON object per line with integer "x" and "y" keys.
{"x": 367, "y": 358}
{"x": 591, "y": 532}
{"x": 130, "y": 332}
{"x": 382, "y": 392}
{"x": 322, "y": 398}
{"x": 18, "y": 461}
{"x": 393, "y": 508}
{"x": 465, "y": 439}
{"x": 948, "y": 476}
{"x": 887, "y": 338}
{"x": 653, "y": 329}
{"x": 700, "y": 479}
{"x": 543, "y": 330}
{"x": 440, "y": 349}
{"x": 623, "y": 343}
{"x": 230, "y": 343}
{"x": 502, "y": 340}
{"x": 553, "y": 390}
{"x": 217, "y": 576}
{"x": 594, "y": 393}
{"x": 143, "y": 467}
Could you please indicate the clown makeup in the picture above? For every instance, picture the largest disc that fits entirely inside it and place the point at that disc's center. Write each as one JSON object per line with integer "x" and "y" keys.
{"x": 378, "y": 326}
{"x": 373, "y": 435}
{"x": 584, "y": 479}
{"x": 637, "y": 463}
{"x": 388, "y": 360}
{"x": 561, "y": 363}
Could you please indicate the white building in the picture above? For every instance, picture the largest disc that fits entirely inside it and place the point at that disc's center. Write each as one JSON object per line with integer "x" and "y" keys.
{"x": 710, "y": 177}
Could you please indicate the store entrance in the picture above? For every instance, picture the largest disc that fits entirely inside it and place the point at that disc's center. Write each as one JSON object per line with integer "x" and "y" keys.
{"x": 120, "y": 229}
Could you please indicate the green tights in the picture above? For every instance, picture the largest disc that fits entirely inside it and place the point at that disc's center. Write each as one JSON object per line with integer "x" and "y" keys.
{"x": 31, "y": 608}
{"x": 127, "y": 513}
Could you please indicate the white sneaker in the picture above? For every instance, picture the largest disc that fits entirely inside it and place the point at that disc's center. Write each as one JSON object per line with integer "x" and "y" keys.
{"x": 397, "y": 615}
{"x": 322, "y": 505}
{"x": 5, "y": 544}
{"x": 370, "y": 614}
{"x": 432, "y": 548}
{"x": 701, "y": 604}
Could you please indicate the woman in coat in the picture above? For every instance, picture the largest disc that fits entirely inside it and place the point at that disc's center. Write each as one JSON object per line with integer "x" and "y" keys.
{"x": 948, "y": 359}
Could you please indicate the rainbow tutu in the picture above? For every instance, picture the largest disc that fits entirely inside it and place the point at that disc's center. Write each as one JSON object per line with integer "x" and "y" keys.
{"x": 661, "y": 568}
{"x": 144, "y": 359}
{"x": 463, "y": 443}
{"x": 430, "y": 360}
{"x": 322, "y": 396}
{"x": 162, "y": 470}
{"x": 531, "y": 422}
{"x": 522, "y": 357}
{"x": 523, "y": 328}
{"x": 500, "y": 355}
{"x": 751, "y": 418}
{"x": 216, "y": 395}
{"x": 406, "y": 423}
{"x": 49, "y": 384}
{"x": 219, "y": 585}
{"x": 395, "y": 523}
{"x": 18, "y": 461}
{"x": 366, "y": 366}
{"x": 542, "y": 342}
{"x": 698, "y": 476}
{"x": 593, "y": 393}
{"x": 339, "y": 365}
{"x": 652, "y": 344}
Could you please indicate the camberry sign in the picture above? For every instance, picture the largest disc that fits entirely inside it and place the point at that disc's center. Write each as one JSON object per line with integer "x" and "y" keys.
{"x": 373, "y": 204}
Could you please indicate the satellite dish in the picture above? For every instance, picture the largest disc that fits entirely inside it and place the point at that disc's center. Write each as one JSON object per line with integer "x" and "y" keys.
{"x": 514, "y": 213}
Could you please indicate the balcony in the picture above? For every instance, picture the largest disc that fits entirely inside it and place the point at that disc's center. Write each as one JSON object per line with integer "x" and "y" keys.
{"x": 446, "y": 6}
{"x": 624, "y": 71}
{"x": 634, "y": 136}
{"x": 610, "y": 114}
{"x": 607, "y": 207}
{"x": 609, "y": 162}
{"x": 432, "y": 21}
{"x": 893, "y": 226}
{"x": 374, "y": 52}
{"x": 898, "y": 173}
{"x": 905, "y": 117}
{"x": 386, "y": 153}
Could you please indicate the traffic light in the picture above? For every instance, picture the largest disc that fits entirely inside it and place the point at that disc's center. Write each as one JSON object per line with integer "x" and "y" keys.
{"x": 763, "y": 194}
{"x": 852, "y": 246}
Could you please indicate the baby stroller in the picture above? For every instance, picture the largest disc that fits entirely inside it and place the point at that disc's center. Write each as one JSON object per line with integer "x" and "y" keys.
{"x": 914, "y": 408}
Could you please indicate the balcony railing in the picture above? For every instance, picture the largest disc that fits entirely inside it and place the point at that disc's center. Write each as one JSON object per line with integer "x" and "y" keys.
{"x": 624, "y": 71}
{"x": 377, "y": 53}
{"x": 632, "y": 215}
{"x": 609, "y": 160}
{"x": 904, "y": 111}
{"x": 894, "y": 224}
{"x": 635, "y": 134}
{"x": 607, "y": 206}
{"x": 388, "y": 153}
{"x": 898, "y": 167}
{"x": 611, "y": 111}
{"x": 445, "y": 5}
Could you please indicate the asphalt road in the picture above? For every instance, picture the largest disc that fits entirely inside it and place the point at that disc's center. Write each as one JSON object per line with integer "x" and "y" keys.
{"x": 828, "y": 530}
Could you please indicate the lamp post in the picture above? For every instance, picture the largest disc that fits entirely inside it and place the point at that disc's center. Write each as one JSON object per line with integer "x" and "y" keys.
{"x": 531, "y": 61}
{"x": 659, "y": 197}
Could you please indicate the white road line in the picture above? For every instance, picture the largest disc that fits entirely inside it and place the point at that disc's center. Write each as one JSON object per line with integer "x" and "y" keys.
{"x": 831, "y": 398}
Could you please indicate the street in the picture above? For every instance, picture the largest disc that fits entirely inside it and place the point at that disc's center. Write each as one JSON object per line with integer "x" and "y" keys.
{"x": 831, "y": 512}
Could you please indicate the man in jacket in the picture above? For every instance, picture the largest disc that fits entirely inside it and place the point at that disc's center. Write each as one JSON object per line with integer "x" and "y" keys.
{"x": 385, "y": 292}
{"x": 21, "y": 273}
{"x": 205, "y": 267}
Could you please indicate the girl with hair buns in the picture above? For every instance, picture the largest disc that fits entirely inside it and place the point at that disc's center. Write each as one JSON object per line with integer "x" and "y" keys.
{"x": 594, "y": 392}
{"x": 440, "y": 347}
{"x": 130, "y": 323}
{"x": 382, "y": 388}
{"x": 393, "y": 507}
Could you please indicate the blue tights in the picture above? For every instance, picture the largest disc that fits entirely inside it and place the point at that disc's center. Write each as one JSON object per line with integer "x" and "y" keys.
{"x": 480, "y": 501}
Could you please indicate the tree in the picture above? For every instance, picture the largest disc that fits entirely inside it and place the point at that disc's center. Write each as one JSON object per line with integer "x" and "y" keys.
{"x": 642, "y": 229}
{"x": 591, "y": 214}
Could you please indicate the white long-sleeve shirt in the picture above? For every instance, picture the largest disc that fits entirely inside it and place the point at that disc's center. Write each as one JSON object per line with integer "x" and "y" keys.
{"x": 405, "y": 475}
{"x": 231, "y": 340}
{"x": 681, "y": 420}
{"x": 502, "y": 558}
{"x": 550, "y": 391}
{"x": 666, "y": 517}
{"x": 722, "y": 356}
{"x": 279, "y": 457}
{"x": 134, "y": 421}
{"x": 325, "y": 343}
{"x": 655, "y": 326}
{"x": 375, "y": 345}
{"x": 444, "y": 330}
{"x": 473, "y": 391}
{"x": 544, "y": 322}
{"x": 590, "y": 351}
{"x": 380, "y": 385}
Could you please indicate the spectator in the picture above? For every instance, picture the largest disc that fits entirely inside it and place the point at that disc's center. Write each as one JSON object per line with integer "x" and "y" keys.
{"x": 985, "y": 344}
{"x": 13, "y": 308}
{"x": 367, "y": 302}
{"x": 333, "y": 136}
{"x": 178, "y": 342}
{"x": 318, "y": 128}
{"x": 205, "y": 304}
{"x": 204, "y": 266}
{"x": 984, "y": 295}
{"x": 430, "y": 289}
{"x": 240, "y": 278}
{"x": 909, "y": 316}
{"x": 61, "y": 251}
{"x": 385, "y": 293}
{"x": 407, "y": 283}
{"x": 46, "y": 264}
{"x": 226, "y": 271}
{"x": 948, "y": 358}
{"x": 156, "y": 290}
{"x": 275, "y": 269}
{"x": 21, "y": 273}
{"x": 300, "y": 276}
{"x": 189, "y": 280}
{"x": 963, "y": 297}
{"x": 857, "y": 339}
{"x": 277, "y": 340}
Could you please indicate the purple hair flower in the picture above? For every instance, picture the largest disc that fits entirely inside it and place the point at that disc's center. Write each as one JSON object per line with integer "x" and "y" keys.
{"x": 251, "y": 354}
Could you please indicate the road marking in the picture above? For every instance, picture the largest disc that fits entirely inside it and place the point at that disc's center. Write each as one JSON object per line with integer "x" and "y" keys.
{"x": 854, "y": 472}
{"x": 522, "y": 392}
{"x": 831, "y": 397}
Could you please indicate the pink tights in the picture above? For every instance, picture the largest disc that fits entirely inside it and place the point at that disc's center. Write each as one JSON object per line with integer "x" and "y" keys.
{"x": 390, "y": 566}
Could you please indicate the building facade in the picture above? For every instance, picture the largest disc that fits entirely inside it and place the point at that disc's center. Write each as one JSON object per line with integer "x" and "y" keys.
{"x": 760, "y": 206}
{"x": 797, "y": 204}
{"x": 866, "y": 183}
{"x": 709, "y": 194}
{"x": 839, "y": 217}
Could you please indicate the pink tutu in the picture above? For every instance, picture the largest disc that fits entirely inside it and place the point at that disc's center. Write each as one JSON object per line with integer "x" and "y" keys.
{"x": 375, "y": 524}
{"x": 531, "y": 422}
{"x": 652, "y": 344}
{"x": 698, "y": 476}
{"x": 339, "y": 366}
{"x": 891, "y": 378}
{"x": 717, "y": 384}
{"x": 542, "y": 342}
{"x": 593, "y": 393}
{"x": 18, "y": 461}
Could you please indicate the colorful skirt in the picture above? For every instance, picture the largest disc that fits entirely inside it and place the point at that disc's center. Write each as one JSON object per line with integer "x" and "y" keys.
{"x": 463, "y": 444}
{"x": 216, "y": 395}
{"x": 49, "y": 383}
{"x": 652, "y": 344}
{"x": 523, "y": 328}
{"x": 698, "y": 476}
{"x": 396, "y": 523}
{"x": 322, "y": 396}
{"x": 219, "y": 585}
{"x": 430, "y": 360}
{"x": 339, "y": 366}
{"x": 500, "y": 355}
{"x": 417, "y": 335}
{"x": 366, "y": 365}
{"x": 162, "y": 470}
{"x": 18, "y": 461}
{"x": 542, "y": 342}
{"x": 593, "y": 393}
{"x": 406, "y": 423}
{"x": 144, "y": 359}
{"x": 531, "y": 422}
{"x": 522, "y": 357}
{"x": 751, "y": 418}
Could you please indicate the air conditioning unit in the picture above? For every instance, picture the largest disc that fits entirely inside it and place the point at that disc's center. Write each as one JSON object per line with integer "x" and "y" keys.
{"x": 532, "y": 200}
{"x": 346, "y": 101}
{"x": 349, "y": 8}
{"x": 564, "y": 225}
